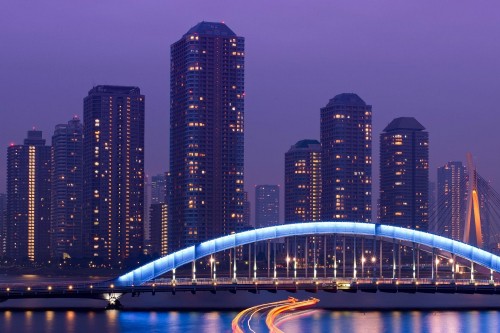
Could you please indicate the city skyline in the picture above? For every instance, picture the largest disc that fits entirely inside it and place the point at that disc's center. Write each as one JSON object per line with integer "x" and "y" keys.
{"x": 436, "y": 96}
{"x": 249, "y": 166}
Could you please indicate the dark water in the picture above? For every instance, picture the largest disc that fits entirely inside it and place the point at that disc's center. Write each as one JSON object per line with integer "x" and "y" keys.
{"x": 183, "y": 322}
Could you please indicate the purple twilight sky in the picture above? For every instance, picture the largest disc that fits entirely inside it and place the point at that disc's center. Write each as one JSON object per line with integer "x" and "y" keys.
{"x": 438, "y": 61}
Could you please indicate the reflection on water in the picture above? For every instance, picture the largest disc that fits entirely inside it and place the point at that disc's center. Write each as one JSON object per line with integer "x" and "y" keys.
{"x": 183, "y": 322}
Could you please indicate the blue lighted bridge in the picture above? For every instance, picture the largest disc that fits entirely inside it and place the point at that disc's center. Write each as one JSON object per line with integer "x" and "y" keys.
{"x": 440, "y": 272}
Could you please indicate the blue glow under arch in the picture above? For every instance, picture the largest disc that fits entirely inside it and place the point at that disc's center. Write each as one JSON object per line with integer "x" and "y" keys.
{"x": 167, "y": 263}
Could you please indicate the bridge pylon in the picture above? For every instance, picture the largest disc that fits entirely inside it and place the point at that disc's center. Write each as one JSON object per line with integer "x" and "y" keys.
{"x": 473, "y": 207}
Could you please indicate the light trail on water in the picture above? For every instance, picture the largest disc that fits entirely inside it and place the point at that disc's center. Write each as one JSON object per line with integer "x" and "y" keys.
{"x": 274, "y": 313}
{"x": 253, "y": 310}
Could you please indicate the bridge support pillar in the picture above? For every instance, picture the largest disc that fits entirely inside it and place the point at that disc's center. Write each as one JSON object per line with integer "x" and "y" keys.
{"x": 255, "y": 261}
{"x": 249, "y": 261}
{"x": 324, "y": 257}
{"x": 268, "y": 259}
{"x": 306, "y": 254}
{"x": 452, "y": 260}
{"x": 380, "y": 258}
{"x": 413, "y": 261}
{"x": 354, "y": 260}
{"x": 418, "y": 261}
{"x": 363, "y": 258}
{"x": 399, "y": 260}
{"x": 433, "y": 273}
{"x": 295, "y": 258}
{"x": 287, "y": 258}
{"x": 374, "y": 258}
{"x": 275, "y": 272}
{"x": 234, "y": 264}
{"x": 343, "y": 257}
{"x": 335, "y": 256}
{"x": 314, "y": 258}
{"x": 194, "y": 271}
{"x": 393, "y": 259}
{"x": 472, "y": 272}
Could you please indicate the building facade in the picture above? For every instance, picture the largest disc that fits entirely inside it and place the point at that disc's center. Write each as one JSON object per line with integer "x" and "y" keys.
{"x": 303, "y": 182}
{"x": 28, "y": 199}
{"x": 67, "y": 190}
{"x": 404, "y": 174}
{"x": 346, "y": 159}
{"x": 267, "y": 205}
{"x": 113, "y": 157}
{"x": 206, "y": 134}
{"x": 159, "y": 229}
{"x": 451, "y": 200}
{"x": 158, "y": 188}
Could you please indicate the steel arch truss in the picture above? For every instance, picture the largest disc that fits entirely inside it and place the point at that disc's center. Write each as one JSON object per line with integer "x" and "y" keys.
{"x": 169, "y": 262}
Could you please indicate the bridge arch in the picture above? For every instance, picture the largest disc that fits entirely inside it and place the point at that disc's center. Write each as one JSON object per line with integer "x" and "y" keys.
{"x": 171, "y": 261}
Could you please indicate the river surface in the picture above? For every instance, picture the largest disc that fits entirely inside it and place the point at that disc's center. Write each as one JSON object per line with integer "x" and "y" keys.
{"x": 220, "y": 321}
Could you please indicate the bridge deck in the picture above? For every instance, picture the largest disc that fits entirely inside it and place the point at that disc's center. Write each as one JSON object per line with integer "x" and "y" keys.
{"x": 100, "y": 290}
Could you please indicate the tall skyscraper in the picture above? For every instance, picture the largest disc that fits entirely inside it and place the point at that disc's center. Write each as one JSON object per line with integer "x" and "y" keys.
{"x": 404, "y": 174}
{"x": 3, "y": 212}
{"x": 267, "y": 205}
{"x": 346, "y": 159}
{"x": 303, "y": 182}
{"x": 206, "y": 134}
{"x": 452, "y": 203}
{"x": 113, "y": 157}
{"x": 67, "y": 190}
{"x": 28, "y": 199}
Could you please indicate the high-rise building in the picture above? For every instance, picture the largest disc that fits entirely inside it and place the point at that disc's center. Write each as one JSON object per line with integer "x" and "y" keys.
{"x": 159, "y": 229}
{"x": 346, "y": 159}
{"x": 113, "y": 157}
{"x": 67, "y": 190}
{"x": 154, "y": 193}
{"x": 3, "y": 212}
{"x": 451, "y": 198}
{"x": 28, "y": 199}
{"x": 267, "y": 205}
{"x": 303, "y": 182}
{"x": 206, "y": 134}
{"x": 158, "y": 189}
{"x": 404, "y": 174}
